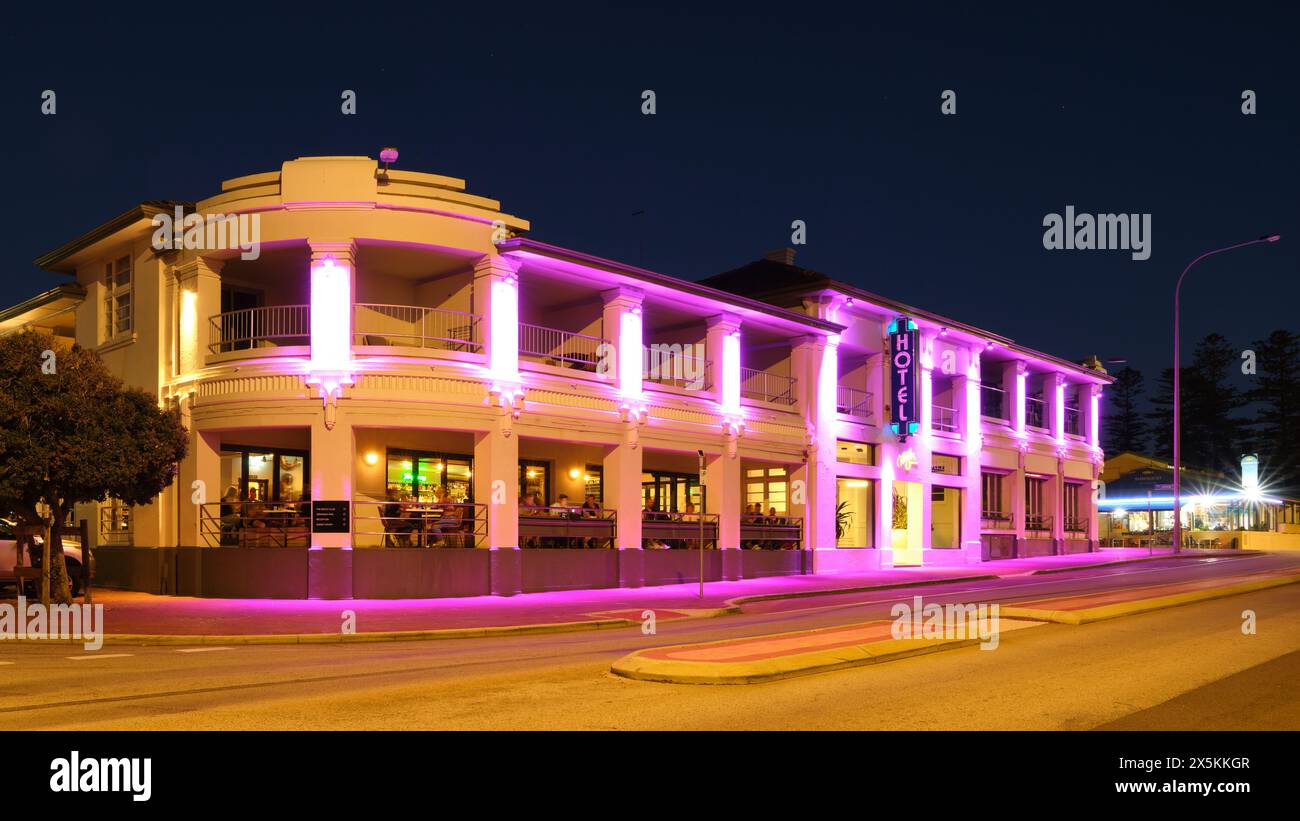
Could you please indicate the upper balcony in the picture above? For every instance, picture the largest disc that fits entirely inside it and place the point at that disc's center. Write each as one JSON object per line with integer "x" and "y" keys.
{"x": 408, "y": 301}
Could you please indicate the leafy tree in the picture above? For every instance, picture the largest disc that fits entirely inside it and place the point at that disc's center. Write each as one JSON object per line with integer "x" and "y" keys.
{"x": 1126, "y": 427}
{"x": 1275, "y": 429}
{"x": 71, "y": 433}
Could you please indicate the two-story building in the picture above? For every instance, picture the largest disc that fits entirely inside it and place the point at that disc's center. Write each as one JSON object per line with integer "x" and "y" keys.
{"x": 392, "y": 391}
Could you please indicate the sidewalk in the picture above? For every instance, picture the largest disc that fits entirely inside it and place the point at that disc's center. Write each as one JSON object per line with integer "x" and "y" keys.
{"x": 141, "y": 614}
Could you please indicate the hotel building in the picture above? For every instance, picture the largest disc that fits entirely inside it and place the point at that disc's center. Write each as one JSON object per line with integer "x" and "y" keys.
{"x": 388, "y": 394}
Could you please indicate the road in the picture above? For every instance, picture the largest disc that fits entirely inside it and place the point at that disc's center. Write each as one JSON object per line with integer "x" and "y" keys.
{"x": 1184, "y": 668}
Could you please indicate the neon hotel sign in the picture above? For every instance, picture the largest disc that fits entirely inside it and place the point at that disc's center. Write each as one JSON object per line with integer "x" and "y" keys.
{"x": 905, "y": 407}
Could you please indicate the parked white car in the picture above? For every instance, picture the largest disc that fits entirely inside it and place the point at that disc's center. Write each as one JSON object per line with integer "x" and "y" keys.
{"x": 9, "y": 557}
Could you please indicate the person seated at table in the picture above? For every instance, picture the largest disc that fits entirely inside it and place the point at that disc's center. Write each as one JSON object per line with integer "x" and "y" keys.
{"x": 254, "y": 510}
{"x": 563, "y": 508}
{"x": 447, "y": 514}
{"x": 590, "y": 507}
{"x": 231, "y": 520}
{"x": 394, "y": 524}
{"x": 288, "y": 493}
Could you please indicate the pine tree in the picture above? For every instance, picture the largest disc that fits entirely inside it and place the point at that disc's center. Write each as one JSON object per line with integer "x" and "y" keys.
{"x": 1126, "y": 428}
{"x": 1275, "y": 429}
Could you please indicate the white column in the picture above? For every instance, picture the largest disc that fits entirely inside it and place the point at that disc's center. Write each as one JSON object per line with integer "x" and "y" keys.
{"x": 496, "y": 482}
{"x": 496, "y": 301}
{"x": 622, "y": 320}
{"x": 198, "y": 294}
{"x": 722, "y": 343}
{"x": 1015, "y": 375}
{"x": 333, "y": 450}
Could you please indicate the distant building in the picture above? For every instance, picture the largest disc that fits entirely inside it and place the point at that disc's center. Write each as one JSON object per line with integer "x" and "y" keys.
{"x": 1219, "y": 510}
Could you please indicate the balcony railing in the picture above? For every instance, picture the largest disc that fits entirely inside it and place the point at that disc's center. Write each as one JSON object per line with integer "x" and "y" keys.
{"x": 995, "y": 520}
{"x": 255, "y": 524}
{"x": 852, "y": 402}
{"x": 564, "y": 349}
{"x": 1072, "y": 421}
{"x": 662, "y": 530}
{"x": 418, "y": 524}
{"x": 566, "y": 527}
{"x": 993, "y": 402}
{"x": 943, "y": 418}
{"x": 1074, "y": 524}
{"x": 1038, "y": 524}
{"x": 248, "y": 328}
{"x": 1035, "y": 413}
{"x": 766, "y": 387}
{"x": 673, "y": 365}
{"x": 771, "y": 532}
{"x": 416, "y": 327}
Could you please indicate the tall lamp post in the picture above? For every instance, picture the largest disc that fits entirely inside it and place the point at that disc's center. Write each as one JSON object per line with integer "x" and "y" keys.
{"x": 1178, "y": 507}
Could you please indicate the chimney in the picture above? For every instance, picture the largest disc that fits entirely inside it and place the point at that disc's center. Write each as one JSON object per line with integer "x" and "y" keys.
{"x": 785, "y": 256}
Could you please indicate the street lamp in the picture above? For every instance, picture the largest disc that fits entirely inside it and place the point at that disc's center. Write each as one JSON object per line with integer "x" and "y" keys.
{"x": 1178, "y": 510}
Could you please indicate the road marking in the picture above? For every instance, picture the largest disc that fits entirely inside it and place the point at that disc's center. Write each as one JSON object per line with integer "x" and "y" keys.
{"x": 100, "y": 656}
{"x": 6, "y": 662}
{"x": 202, "y": 649}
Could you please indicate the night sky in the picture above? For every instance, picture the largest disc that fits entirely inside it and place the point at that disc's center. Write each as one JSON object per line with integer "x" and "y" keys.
{"x": 830, "y": 116}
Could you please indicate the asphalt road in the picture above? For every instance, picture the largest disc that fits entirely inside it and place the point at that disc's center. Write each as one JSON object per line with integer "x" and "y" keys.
{"x": 1185, "y": 668}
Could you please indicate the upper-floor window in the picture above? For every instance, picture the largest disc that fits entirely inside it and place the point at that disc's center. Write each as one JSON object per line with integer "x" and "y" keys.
{"x": 118, "y": 312}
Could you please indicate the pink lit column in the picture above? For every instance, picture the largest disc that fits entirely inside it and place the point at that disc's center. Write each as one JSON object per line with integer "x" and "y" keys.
{"x": 816, "y": 364}
{"x": 722, "y": 470}
{"x": 1054, "y": 388}
{"x": 622, "y": 321}
{"x": 966, "y": 394}
{"x": 1091, "y": 410}
{"x": 496, "y": 449}
{"x": 333, "y": 290}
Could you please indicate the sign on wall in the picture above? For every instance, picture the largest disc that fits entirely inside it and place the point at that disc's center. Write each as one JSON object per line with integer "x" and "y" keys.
{"x": 330, "y": 517}
{"x": 905, "y": 398}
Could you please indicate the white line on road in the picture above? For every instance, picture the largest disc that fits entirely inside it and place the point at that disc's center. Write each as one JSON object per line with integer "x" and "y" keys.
{"x": 202, "y": 649}
{"x": 100, "y": 656}
{"x": 6, "y": 662}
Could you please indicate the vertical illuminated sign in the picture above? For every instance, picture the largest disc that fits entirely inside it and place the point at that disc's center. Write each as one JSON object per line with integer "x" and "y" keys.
{"x": 904, "y": 396}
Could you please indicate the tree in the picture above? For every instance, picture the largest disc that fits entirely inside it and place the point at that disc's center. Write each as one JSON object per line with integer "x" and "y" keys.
{"x": 1126, "y": 428}
{"x": 71, "y": 433}
{"x": 1212, "y": 432}
{"x": 1275, "y": 429}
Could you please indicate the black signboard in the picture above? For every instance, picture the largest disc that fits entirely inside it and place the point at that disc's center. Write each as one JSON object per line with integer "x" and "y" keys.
{"x": 905, "y": 401}
{"x": 330, "y": 517}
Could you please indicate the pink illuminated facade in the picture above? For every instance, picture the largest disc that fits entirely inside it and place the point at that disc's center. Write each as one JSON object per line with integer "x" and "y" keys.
{"x": 403, "y": 395}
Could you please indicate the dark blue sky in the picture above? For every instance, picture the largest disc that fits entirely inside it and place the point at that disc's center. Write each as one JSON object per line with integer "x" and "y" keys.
{"x": 828, "y": 115}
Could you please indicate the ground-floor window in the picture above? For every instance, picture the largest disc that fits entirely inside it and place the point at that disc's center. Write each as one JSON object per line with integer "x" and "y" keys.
{"x": 993, "y": 512}
{"x": 855, "y": 512}
{"x": 766, "y": 488}
{"x": 1074, "y": 521}
{"x": 534, "y": 482}
{"x": 265, "y": 474}
{"x": 670, "y": 492}
{"x": 1036, "y": 516}
{"x": 593, "y": 484}
{"x": 115, "y": 523}
{"x": 945, "y": 517}
{"x": 415, "y": 476}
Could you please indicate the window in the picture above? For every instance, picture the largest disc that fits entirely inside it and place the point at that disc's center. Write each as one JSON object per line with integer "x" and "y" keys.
{"x": 265, "y": 475}
{"x": 535, "y": 480}
{"x": 767, "y": 487}
{"x": 669, "y": 492}
{"x": 945, "y": 464}
{"x": 855, "y": 517}
{"x": 593, "y": 484}
{"x": 855, "y": 453}
{"x": 115, "y": 523}
{"x": 1036, "y": 517}
{"x": 992, "y": 511}
{"x": 1074, "y": 523}
{"x": 117, "y": 298}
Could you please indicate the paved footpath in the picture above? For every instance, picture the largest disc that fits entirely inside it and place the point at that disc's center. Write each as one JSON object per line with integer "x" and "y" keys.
{"x": 140, "y": 614}
{"x": 756, "y": 659}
